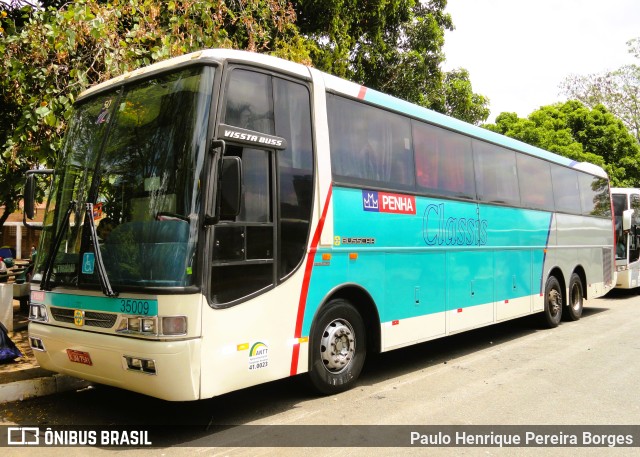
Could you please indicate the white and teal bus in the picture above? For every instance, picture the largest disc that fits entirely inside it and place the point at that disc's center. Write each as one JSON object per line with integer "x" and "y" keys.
{"x": 626, "y": 210}
{"x": 224, "y": 219}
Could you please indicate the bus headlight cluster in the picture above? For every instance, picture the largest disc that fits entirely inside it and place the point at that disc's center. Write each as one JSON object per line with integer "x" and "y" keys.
{"x": 142, "y": 324}
{"x": 139, "y": 325}
{"x": 38, "y": 312}
{"x": 149, "y": 326}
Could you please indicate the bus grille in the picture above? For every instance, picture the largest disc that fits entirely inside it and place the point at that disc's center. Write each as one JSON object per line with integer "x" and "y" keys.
{"x": 607, "y": 265}
{"x": 91, "y": 318}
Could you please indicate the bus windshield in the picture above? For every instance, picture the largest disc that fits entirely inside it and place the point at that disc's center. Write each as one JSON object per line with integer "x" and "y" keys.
{"x": 135, "y": 154}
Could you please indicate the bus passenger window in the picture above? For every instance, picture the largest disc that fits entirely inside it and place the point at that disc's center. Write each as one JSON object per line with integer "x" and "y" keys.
{"x": 369, "y": 143}
{"x": 594, "y": 194}
{"x": 566, "y": 192}
{"x": 531, "y": 172}
{"x": 444, "y": 161}
{"x": 496, "y": 173}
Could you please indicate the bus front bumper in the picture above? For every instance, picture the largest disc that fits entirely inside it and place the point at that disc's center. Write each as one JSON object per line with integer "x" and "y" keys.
{"x": 628, "y": 279}
{"x": 169, "y": 370}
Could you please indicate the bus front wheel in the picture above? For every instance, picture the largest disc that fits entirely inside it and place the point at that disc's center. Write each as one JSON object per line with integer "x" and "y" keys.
{"x": 576, "y": 297}
{"x": 552, "y": 302}
{"x": 337, "y": 348}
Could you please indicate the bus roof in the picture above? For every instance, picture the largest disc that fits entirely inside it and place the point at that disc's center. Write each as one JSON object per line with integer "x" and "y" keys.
{"x": 206, "y": 55}
{"x": 351, "y": 89}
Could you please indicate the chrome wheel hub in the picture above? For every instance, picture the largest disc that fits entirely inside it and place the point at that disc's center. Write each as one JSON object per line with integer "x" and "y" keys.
{"x": 555, "y": 301}
{"x": 337, "y": 346}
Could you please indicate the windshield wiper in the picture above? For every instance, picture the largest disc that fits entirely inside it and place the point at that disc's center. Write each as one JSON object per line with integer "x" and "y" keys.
{"x": 48, "y": 268}
{"x": 102, "y": 271}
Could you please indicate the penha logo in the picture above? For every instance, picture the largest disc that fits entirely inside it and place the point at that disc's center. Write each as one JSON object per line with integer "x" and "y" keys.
{"x": 384, "y": 202}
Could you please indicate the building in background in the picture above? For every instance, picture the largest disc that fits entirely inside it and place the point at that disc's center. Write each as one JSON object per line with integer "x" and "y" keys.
{"x": 15, "y": 235}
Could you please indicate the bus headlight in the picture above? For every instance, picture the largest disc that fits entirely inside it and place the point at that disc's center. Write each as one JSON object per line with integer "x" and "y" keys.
{"x": 148, "y": 325}
{"x": 174, "y": 325}
{"x": 38, "y": 312}
{"x": 133, "y": 324}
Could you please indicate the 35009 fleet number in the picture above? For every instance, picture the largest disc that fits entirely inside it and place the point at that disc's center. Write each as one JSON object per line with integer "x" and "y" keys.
{"x": 130, "y": 306}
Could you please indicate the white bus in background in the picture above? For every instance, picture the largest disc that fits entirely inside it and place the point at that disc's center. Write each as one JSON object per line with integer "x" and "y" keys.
{"x": 626, "y": 204}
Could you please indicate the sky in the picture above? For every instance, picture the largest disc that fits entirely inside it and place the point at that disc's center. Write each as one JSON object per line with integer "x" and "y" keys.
{"x": 518, "y": 52}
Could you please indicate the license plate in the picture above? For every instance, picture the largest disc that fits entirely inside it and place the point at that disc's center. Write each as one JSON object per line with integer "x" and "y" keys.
{"x": 79, "y": 356}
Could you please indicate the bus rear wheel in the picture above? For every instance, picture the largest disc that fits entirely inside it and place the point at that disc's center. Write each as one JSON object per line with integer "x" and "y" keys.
{"x": 576, "y": 298}
{"x": 552, "y": 302}
{"x": 337, "y": 348}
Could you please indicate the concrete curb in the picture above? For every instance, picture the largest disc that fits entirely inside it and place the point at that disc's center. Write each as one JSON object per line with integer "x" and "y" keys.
{"x": 37, "y": 382}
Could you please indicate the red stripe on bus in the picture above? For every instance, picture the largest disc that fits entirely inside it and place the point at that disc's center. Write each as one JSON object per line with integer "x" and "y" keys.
{"x": 363, "y": 90}
{"x": 305, "y": 283}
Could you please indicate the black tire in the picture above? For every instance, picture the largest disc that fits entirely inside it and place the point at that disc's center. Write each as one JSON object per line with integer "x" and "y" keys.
{"x": 552, "y": 302}
{"x": 573, "y": 309}
{"x": 337, "y": 348}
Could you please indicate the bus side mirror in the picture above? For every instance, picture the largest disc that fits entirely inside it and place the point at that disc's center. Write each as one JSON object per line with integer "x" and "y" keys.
{"x": 231, "y": 187}
{"x": 30, "y": 195}
{"x": 627, "y": 216}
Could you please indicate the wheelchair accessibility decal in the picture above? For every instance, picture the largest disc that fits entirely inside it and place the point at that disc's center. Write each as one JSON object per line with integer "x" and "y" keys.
{"x": 88, "y": 263}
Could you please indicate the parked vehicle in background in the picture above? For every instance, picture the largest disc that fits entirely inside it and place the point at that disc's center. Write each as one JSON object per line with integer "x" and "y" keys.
{"x": 626, "y": 208}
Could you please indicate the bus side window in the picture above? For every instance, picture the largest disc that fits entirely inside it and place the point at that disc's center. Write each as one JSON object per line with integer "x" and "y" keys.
{"x": 496, "y": 173}
{"x": 531, "y": 172}
{"x": 249, "y": 101}
{"x": 444, "y": 161}
{"x": 426, "y": 155}
{"x": 566, "y": 192}
{"x": 369, "y": 144}
{"x": 295, "y": 171}
{"x": 594, "y": 194}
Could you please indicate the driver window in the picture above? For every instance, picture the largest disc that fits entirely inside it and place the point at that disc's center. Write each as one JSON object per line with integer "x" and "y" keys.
{"x": 243, "y": 254}
{"x": 255, "y": 205}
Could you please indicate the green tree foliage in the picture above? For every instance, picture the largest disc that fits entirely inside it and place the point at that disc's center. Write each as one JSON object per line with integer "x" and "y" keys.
{"x": 394, "y": 46}
{"x": 618, "y": 90}
{"x": 459, "y": 99}
{"x": 580, "y": 133}
{"x": 48, "y": 56}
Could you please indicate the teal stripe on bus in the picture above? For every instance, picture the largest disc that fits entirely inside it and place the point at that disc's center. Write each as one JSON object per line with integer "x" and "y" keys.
{"x": 440, "y": 255}
{"x": 106, "y": 304}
